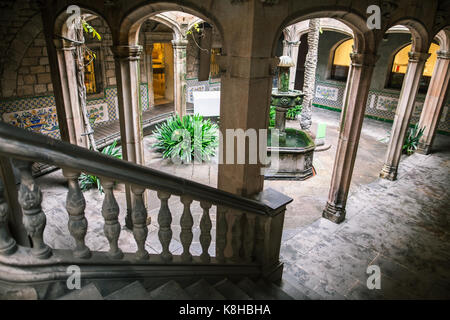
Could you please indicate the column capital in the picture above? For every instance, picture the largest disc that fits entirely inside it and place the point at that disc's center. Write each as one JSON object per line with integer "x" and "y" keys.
{"x": 443, "y": 55}
{"x": 363, "y": 59}
{"x": 418, "y": 56}
{"x": 127, "y": 52}
{"x": 179, "y": 44}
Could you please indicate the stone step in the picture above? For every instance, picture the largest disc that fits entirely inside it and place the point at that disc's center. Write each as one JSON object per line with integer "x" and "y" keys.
{"x": 169, "y": 291}
{"x": 231, "y": 291}
{"x": 273, "y": 290}
{"x": 133, "y": 291}
{"x": 292, "y": 290}
{"x": 253, "y": 290}
{"x": 202, "y": 290}
{"x": 310, "y": 293}
{"x": 89, "y": 292}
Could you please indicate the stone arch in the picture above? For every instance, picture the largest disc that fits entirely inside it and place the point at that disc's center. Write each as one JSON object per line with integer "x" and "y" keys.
{"x": 443, "y": 37}
{"x": 16, "y": 53}
{"x": 129, "y": 27}
{"x": 364, "y": 38}
{"x": 419, "y": 34}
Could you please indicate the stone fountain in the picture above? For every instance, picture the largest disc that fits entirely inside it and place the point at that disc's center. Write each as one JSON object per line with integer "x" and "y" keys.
{"x": 291, "y": 150}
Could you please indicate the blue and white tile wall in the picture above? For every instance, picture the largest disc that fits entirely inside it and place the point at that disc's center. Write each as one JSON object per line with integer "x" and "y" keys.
{"x": 39, "y": 113}
{"x": 380, "y": 104}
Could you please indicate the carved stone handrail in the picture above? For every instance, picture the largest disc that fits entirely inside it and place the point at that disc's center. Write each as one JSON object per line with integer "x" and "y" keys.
{"x": 19, "y": 143}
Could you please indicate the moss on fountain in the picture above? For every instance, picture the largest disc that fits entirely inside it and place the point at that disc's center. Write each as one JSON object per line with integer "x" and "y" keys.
{"x": 294, "y": 139}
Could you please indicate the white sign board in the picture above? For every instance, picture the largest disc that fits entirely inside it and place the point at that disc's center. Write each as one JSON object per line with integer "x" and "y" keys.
{"x": 207, "y": 103}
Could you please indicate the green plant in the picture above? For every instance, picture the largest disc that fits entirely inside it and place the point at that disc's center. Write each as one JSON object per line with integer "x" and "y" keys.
{"x": 293, "y": 112}
{"x": 272, "y": 114}
{"x": 412, "y": 139}
{"x": 88, "y": 181}
{"x": 186, "y": 139}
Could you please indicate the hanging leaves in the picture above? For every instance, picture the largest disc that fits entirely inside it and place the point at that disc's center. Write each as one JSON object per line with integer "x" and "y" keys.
{"x": 89, "y": 29}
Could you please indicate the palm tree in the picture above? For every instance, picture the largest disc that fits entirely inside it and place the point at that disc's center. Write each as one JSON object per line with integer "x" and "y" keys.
{"x": 310, "y": 73}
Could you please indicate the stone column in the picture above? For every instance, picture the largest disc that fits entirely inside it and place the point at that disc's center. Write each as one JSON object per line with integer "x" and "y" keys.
{"x": 67, "y": 73}
{"x": 291, "y": 49}
{"x": 130, "y": 112}
{"x": 352, "y": 117}
{"x": 246, "y": 87}
{"x": 403, "y": 113}
{"x": 149, "y": 64}
{"x": 179, "y": 52}
{"x": 434, "y": 101}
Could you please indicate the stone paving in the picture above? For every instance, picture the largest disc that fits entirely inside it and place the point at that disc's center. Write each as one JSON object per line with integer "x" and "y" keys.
{"x": 403, "y": 227}
{"x": 400, "y": 226}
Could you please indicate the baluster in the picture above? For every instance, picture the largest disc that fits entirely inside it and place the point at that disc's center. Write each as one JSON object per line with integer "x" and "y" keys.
{"x": 110, "y": 212}
{"x": 221, "y": 236}
{"x": 164, "y": 221}
{"x": 186, "y": 223}
{"x": 260, "y": 238}
{"x": 236, "y": 236}
{"x": 139, "y": 218}
{"x": 75, "y": 205}
{"x": 7, "y": 243}
{"x": 249, "y": 237}
{"x": 205, "y": 231}
{"x": 30, "y": 198}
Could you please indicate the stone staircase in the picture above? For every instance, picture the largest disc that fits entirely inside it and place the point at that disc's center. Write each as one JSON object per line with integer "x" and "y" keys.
{"x": 225, "y": 289}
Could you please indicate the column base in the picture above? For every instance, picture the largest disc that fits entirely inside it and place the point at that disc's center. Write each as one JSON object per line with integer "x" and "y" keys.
{"x": 333, "y": 213}
{"x": 423, "y": 149}
{"x": 388, "y": 172}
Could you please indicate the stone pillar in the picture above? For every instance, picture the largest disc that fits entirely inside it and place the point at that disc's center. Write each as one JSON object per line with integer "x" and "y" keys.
{"x": 179, "y": 52}
{"x": 246, "y": 87}
{"x": 434, "y": 101}
{"x": 149, "y": 68}
{"x": 130, "y": 112}
{"x": 403, "y": 113}
{"x": 67, "y": 73}
{"x": 291, "y": 49}
{"x": 352, "y": 117}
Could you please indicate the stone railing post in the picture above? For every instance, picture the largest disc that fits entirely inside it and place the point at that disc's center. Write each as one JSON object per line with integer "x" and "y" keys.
{"x": 179, "y": 51}
{"x": 30, "y": 198}
{"x": 403, "y": 114}
{"x": 354, "y": 107}
{"x": 7, "y": 243}
{"x": 434, "y": 101}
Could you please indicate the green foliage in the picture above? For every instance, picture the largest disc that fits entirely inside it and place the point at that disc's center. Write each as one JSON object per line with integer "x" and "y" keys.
{"x": 89, "y": 29}
{"x": 186, "y": 139}
{"x": 293, "y": 112}
{"x": 272, "y": 114}
{"x": 412, "y": 139}
{"x": 88, "y": 181}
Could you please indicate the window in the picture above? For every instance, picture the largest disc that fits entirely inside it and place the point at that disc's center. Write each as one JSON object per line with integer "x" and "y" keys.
{"x": 92, "y": 73}
{"x": 214, "y": 68}
{"x": 89, "y": 74}
{"x": 400, "y": 64}
{"x": 341, "y": 60}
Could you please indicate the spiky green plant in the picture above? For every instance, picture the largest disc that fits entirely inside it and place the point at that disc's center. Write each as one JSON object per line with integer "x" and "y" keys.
{"x": 186, "y": 139}
{"x": 412, "y": 139}
{"x": 88, "y": 181}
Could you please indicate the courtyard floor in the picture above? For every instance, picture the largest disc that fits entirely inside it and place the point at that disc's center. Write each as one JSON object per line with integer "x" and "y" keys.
{"x": 402, "y": 226}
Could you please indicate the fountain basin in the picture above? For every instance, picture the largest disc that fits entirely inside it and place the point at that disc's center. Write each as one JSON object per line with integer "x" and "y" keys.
{"x": 292, "y": 159}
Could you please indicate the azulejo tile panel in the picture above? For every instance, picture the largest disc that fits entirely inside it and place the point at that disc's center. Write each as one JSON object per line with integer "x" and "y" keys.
{"x": 195, "y": 85}
{"x": 42, "y": 120}
{"x": 381, "y": 104}
{"x": 327, "y": 93}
